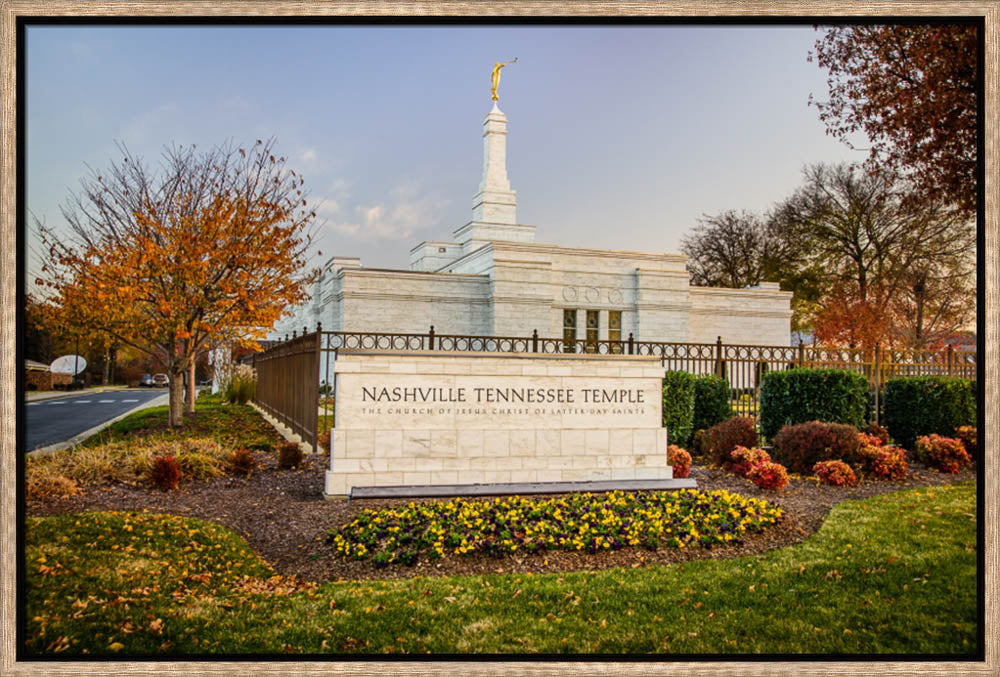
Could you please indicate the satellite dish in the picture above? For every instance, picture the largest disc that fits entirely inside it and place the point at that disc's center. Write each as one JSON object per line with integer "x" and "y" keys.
{"x": 68, "y": 364}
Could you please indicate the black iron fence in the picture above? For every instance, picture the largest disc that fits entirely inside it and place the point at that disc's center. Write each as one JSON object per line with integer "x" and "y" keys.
{"x": 295, "y": 384}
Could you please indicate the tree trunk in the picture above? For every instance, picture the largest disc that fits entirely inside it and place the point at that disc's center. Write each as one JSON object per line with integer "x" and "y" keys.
{"x": 192, "y": 391}
{"x": 106, "y": 377}
{"x": 176, "y": 389}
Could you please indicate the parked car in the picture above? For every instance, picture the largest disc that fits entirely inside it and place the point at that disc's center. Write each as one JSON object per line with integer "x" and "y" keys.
{"x": 146, "y": 381}
{"x": 161, "y": 380}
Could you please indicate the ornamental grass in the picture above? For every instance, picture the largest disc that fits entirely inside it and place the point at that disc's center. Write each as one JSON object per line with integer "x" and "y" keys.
{"x": 584, "y": 522}
{"x": 62, "y": 473}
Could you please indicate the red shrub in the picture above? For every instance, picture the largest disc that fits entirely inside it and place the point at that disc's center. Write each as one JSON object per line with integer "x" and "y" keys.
{"x": 242, "y": 461}
{"x": 680, "y": 460}
{"x": 836, "y": 473}
{"x": 289, "y": 455}
{"x": 878, "y": 431}
{"x": 744, "y": 459}
{"x": 869, "y": 440}
{"x": 166, "y": 473}
{"x": 967, "y": 434}
{"x": 888, "y": 463}
{"x": 739, "y": 431}
{"x": 944, "y": 453}
{"x": 800, "y": 447}
{"x": 769, "y": 475}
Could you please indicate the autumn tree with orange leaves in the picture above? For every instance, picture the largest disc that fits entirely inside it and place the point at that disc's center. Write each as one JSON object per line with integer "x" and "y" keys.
{"x": 209, "y": 248}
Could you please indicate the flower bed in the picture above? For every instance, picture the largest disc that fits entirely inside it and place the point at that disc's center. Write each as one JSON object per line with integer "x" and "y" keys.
{"x": 589, "y": 522}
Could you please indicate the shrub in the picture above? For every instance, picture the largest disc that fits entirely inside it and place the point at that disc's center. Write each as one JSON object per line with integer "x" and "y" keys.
{"x": 165, "y": 473}
{"x": 49, "y": 485}
{"x": 242, "y": 385}
{"x": 242, "y": 461}
{"x": 768, "y": 475}
{"x": 699, "y": 443}
{"x": 680, "y": 460}
{"x": 835, "y": 473}
{"x": 744, "y": 459}
{"x": 711, "y": 402}
{"x": 289, "y": 455}
{"x": 921, "y": 405}
{"x": 678, "y": 405}
{"x": 875, "y": 430}
{"x": 944, "y": 453}
{"x": 886, "y": 463}
{"x": 739, "y": 431}
{"x": 800, "y": 447}
{"x": 869, "y": 440}
{"x": 967, "y": 434}
{"x": 800, "y": 395}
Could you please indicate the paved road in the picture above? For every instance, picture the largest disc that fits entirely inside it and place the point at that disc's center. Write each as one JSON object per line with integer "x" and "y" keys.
{"x": 57, "y": 420}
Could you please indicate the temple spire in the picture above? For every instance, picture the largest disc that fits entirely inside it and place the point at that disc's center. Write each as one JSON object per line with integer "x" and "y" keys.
{"x": 495, "y": 202}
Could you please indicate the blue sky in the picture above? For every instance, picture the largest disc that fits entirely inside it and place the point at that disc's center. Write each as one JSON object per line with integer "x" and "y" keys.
{"x": 619, "y": 137}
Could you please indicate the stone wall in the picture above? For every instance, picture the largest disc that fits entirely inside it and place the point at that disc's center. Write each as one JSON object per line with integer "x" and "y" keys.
{"x": 383, "y": 443}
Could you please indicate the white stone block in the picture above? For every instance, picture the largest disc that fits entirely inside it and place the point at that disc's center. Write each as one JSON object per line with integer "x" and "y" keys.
{"x": 416, "y": 478}
{"x": 522, "y": 443}
{"x": 470, "y": 443}
{"x": 496, "y": 476}
{"x": 654, "y": 473}
{"x": 534, "y": 462}
{"x": 345, "y": 465}
{"x": 596, "y": 442}
{"x": 404, "y": 463}
{"x": 547, "y": 442}
{"x": 359, "y": 479}
{"x": 444, "y": 444}
{"x": 496, "y": 443}
{"x": 572, "y": 443}
{"x": 623, "y": 473}
{"x": 359, "y": 444}
{"x": 523, "y": 475}
{"x": 376, "y": 465}
{"x": 506, "y": 463}
{"x": 416, "y": 443}
{"x": 389, "y": 479}
{"x": 620, "y": 442}
{"x": 444, "y": 477}
{"x": 644, "y": 441}
{"x": 388, "y": 443}
{"x": 549, "y": 475}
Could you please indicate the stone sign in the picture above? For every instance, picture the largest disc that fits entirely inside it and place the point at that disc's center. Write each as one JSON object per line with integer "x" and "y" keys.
{"x": 443, "y": 418}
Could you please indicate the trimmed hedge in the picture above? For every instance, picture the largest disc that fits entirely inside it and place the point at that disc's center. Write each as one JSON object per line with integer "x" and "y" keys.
{"x": 711, "y": 401}
{"x": 922, "y": 405}
{"x": 801, "y": 395}
{"x": 678, "y": 406}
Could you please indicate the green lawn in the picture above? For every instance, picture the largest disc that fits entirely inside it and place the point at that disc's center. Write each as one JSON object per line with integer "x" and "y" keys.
{"x": 891, "y": 574}
{"x": 229, "y": 424}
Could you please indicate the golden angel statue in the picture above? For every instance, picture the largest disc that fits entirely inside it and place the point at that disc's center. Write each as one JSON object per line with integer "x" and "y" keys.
{"x": 495, "y": 75}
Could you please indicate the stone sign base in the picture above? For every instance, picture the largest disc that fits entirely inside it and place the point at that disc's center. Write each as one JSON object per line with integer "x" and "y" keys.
{"x": 434, "y": 419}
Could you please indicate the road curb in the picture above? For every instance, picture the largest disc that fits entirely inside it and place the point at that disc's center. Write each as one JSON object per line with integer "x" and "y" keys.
{"x": 41, "y": 397}
{"x": 73, "y": 441}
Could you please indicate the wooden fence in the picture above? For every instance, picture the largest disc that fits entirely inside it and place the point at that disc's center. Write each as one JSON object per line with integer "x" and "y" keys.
{"x": 293, "y": 374}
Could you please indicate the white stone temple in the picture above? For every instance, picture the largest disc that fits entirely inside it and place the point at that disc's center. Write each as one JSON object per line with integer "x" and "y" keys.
{"x": 493, "y": 279}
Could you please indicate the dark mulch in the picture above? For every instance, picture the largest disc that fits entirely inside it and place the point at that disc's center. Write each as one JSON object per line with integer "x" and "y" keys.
{"x": 284, "y": 517}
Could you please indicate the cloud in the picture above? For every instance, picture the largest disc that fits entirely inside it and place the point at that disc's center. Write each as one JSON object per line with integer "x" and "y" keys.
{"x": 308, "y": 155}
{"x": 405, "y": 213}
